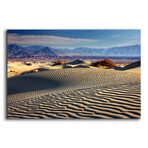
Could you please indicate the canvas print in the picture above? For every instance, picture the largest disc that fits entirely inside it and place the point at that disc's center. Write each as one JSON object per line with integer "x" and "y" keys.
{"x": 73, "y": 74}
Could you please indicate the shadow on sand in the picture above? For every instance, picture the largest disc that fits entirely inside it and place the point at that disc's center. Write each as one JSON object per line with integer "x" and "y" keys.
{"x": 130, "y": 66}
{"x": 29, "y": 83}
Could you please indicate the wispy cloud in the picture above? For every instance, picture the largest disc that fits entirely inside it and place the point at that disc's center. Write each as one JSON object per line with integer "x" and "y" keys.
{"x": 115, "y": 36}
{"x": 45, "y": 39}
{"x": 126, "y": 43}
{"x": 133, "y": 37}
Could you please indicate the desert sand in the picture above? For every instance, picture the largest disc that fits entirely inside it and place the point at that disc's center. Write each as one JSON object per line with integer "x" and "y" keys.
{"x": 73, "y": 90}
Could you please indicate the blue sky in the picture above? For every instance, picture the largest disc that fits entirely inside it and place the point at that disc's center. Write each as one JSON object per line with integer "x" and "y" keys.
{"x": 74, "y": 38}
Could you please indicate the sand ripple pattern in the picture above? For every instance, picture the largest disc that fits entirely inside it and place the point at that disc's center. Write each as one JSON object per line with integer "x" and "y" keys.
{"x": 82, "y": 94}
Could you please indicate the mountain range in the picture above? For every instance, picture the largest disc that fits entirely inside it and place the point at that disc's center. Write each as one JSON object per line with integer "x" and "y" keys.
{"x": 14, "y": 50}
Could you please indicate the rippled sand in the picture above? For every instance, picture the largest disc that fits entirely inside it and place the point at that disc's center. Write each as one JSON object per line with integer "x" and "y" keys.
{"x": 78, "y": 92}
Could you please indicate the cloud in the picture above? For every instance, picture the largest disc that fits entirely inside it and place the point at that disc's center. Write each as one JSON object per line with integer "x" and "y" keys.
{"x": 45, "y": 39}
{"x": 133, "y": 37}
{"x": 115, "y": 36}
{"x": 126, "y": 43}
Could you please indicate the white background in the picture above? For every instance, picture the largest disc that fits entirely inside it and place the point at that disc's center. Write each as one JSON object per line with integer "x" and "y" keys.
{"x": 77, "y": 14}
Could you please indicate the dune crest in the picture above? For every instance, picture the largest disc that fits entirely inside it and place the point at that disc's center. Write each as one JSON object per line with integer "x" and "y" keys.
{"x": 78, "y": 61}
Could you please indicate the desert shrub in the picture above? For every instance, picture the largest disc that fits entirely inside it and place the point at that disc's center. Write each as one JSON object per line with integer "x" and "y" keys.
{"x": 105, "y": 62}
{"x": 96, "y": 64}
{"x": 28, "y": 63}
{"x": 64, "y": 62}
{"x": 59, "y": 62}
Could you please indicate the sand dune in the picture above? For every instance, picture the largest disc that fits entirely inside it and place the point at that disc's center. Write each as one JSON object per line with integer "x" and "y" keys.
{"x": 78, "y": 61}
{"x": 17, "y": 68}
{"x": 129, "y": 66}
{"x": 77, "y": 92}
{"x": 68, "y": 66}
{"x": 82, "y": 66}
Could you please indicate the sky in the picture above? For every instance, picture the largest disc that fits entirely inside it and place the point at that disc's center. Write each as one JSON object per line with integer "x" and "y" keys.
{"x": 74, "y": 38}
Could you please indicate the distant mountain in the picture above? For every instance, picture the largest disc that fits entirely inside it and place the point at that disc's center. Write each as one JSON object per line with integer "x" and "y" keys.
{"x": 62, "y": 51}
{"x": 133, "y": 50}
{"x": 88, "y": 51}
{"x": 46, "y": 51}
{"x": 79, "y": 50}
{"x": 21, "y": 53}
{"x": 32, "y": 49}
{"x": 16, "y": 50}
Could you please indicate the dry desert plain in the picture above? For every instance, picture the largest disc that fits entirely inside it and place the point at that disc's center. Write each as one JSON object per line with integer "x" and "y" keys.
{"x": 72, "y": 90}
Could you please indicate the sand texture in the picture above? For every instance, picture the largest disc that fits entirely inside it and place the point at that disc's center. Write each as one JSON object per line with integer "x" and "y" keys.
{"x": 74, "y": 90}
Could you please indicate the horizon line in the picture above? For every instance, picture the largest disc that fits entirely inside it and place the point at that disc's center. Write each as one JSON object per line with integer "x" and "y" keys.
{"x": 73, "y": 48}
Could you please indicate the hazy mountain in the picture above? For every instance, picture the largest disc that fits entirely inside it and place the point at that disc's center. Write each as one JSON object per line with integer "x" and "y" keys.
{"x": 32, "y": 49}
{"x": 15, "y": 50}
{"x": 79, "y": 50}
{"x": 62, "y": 51}
{"x": 133, "y": 50}
{"x": 46, "y": 51}
{"x": 88, "y": 51}
{"x": 21, "y": 53}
